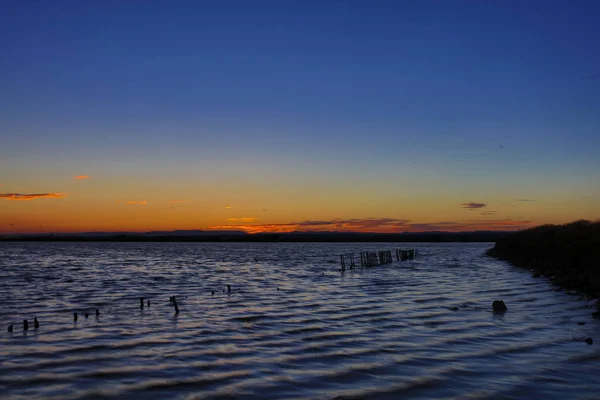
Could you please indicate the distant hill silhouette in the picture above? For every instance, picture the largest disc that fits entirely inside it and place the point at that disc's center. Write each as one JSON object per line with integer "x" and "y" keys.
{"x": 239, "y": 236}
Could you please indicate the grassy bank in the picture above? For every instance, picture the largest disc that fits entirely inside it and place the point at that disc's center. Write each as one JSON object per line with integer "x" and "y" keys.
{"x": 569, "y": 254}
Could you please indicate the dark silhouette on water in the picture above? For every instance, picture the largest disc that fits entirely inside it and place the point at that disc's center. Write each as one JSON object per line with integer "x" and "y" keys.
{"x": 10, "y": 328}
{"x": 173, "y": 300}
{"x": 228, "y": 289}
{"x": 499, "y": 306}
{"x": 97, "y": 312}
{"x": 25, "y": 325}
{"x": 568, "y": 254}
{"x": 75, "y": 317}
{"x": 36, "y": 323}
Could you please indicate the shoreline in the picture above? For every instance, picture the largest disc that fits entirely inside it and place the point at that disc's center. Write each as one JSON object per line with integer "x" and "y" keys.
{"x": 333, "y": 237}
{"x": 568, "y": 254}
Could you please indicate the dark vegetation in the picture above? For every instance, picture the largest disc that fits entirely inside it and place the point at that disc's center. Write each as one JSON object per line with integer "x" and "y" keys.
{"x": 568, "y": 254}
{"x": 208, "y": 236}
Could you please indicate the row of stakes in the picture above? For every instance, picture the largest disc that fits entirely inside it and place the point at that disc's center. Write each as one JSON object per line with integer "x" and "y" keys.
{"x": 367, "y": 259}
{"x": 372, "y": 259}
{"x": 172, "y": 300}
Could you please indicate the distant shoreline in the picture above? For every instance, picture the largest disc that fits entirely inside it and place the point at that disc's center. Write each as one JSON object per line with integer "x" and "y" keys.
{"x": 426, "y": 237}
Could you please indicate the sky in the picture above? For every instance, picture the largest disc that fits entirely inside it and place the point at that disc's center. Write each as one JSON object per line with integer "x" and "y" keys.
{"x": 379, "y": 116}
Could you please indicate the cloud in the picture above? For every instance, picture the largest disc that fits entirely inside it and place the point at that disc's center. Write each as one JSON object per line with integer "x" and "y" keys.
{"x": 490, "y": 212}
{"x": 228, "y": 207}
{"x": 135, "y": 202}
{"x": 474, "y": 225}
{"x": 379, "y": 225}
{"x": 340, "y": 225}
{"x": 315, "y": 223}
{"x": 524, "y": 200}
{"x": 243, "y": 219}
{"x": 473, "y": 206}
{"x": 82, "y": 177}
{"x": 178, "y": 201}
{"x": 31, "y": 196}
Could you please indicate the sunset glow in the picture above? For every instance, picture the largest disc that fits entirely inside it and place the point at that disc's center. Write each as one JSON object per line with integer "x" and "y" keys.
{"x": 284, "y": 118}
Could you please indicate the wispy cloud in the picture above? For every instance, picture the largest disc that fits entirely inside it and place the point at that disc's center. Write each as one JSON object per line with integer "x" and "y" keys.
{"x": 243, "y": 219}
{"x": 524, "y": 200}
{"x": 31, "y": 196}
{"x": 473, "y": 206}
{"x": 82, "y": 177}
{"x": 379, "y": 225}
{"x": 490, "y": 212}
{"x": 228, "y": 207}
{"x": 135, "y": 202}
{"x": 341, "y": 225}
{"x": 178, "y": 201}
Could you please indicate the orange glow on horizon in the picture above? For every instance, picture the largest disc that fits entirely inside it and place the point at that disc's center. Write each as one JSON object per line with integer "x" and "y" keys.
{"x": 31, "y": 196}
{"x": 365, "y": 226}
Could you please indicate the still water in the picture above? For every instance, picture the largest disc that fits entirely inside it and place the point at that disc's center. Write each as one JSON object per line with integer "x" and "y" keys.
{"x": 418, "y": 329}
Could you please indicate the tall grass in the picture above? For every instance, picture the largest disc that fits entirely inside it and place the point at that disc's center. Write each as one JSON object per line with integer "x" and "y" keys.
{"x": 568, "y": 253}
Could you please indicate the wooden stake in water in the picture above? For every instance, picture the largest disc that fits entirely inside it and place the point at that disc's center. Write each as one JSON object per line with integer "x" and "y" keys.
{"x": 141, "y": 303}
{"x": 97, "y": 312}
{"x": 75, "y": 317}
{"x": 25, "y": 325}
{"x": 228, "y": 289}
{"x": 36, "y": 323}
{"x": 10, "y": 328}
{"x": 175, "y": 305}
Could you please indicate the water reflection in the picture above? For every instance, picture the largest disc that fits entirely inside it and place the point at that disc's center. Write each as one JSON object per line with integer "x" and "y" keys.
{"x": 417, "y": 329}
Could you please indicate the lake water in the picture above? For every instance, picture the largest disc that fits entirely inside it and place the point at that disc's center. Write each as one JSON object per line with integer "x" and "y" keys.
{"x": 386, "y": 332}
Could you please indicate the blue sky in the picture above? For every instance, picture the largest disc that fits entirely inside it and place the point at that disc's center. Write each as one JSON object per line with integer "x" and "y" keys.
{"x": 456, "y": 94}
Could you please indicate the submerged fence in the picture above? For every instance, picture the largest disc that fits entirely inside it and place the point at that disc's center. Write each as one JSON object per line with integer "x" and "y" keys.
{"x": 373, "y": 258}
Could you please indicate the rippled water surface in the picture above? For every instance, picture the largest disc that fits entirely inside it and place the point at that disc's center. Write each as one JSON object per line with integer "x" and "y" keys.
{"x": 293, "y": 327}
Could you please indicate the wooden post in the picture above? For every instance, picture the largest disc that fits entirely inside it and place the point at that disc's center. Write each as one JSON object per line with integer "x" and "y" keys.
{"x": 141, "y": 303}
{"x": 175, "y": 304}
{"x": 25, "y": 325}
